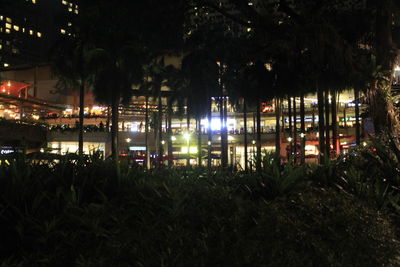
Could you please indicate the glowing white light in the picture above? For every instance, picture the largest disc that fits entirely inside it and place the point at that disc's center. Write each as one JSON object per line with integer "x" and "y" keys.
{"x": 128, "y": 140}
{"x": 186, "y": 136}
{"x": 209, "y": 143}
{"x": 290, "y": 139}
{"x": 163, "y": 142}
{"x": 192, "y": 149}
{"x": 173, "y": 138}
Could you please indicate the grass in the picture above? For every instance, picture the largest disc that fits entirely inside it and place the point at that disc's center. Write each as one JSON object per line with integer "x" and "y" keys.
{"x": 99, "y": 214}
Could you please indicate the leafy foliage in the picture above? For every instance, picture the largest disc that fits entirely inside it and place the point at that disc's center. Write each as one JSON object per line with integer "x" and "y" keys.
{"x": 102, "y": 214}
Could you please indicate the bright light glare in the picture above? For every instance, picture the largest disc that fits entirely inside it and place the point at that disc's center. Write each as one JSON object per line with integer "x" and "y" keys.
{"x": 186, "y": 136}
{"x": 192, "y": 149}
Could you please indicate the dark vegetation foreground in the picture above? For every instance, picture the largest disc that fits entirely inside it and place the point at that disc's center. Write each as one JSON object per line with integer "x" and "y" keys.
{"x": 344, "y": 213}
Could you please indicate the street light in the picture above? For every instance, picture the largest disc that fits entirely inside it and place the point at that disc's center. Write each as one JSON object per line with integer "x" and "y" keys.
{"x": 173, "y": 138}
{"x": 290, "y": 139}
{"x": 209, "y": 143}
{"x": 163, "y": 142}
{"x": 302, "y": 135}
{"x": 128, "y": 140}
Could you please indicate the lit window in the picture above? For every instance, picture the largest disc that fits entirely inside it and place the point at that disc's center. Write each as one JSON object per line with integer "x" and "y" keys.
{"x": 71, "y": 5}
{"x": 62, "y": 31}
{"x": 1, "y": 46}
{"x": 7, "y": 30}
{"x": 23, "y": 29}
{"x": 30, "y": 32}
{"x": 64, "y": 2}
{"x": 34, "y": 1}
{"x": 39, "y": 34}
{"x": 16, "y": 28}
{"x": 8, "y": 25}
{"x": 6, "y": 65}
{"x": 70, "y": 9}
{"x": 9, "y": 20}
{"x": 69, "y": 24}
{"x": 1, "y": 17}
{"x": 76, "y": 11}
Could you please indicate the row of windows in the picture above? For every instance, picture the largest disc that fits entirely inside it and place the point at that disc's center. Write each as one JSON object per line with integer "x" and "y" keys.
{"x": 9, "y": 27}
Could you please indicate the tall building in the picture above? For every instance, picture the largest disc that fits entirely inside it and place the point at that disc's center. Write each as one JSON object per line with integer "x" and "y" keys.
{"x": 29, "y": 28}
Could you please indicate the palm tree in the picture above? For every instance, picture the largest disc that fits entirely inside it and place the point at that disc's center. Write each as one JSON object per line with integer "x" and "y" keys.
{"x": 72, "y": 62}
{"x": 200, "y": 72}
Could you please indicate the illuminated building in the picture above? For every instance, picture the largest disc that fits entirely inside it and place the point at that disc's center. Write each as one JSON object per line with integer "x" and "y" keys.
{"x": 28, "y": 29}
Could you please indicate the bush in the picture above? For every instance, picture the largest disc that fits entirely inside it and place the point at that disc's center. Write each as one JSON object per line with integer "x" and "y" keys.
{"x": 98, "y": 214}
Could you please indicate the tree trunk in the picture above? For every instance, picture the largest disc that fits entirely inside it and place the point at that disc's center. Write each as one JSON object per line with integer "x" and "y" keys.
{"x": 146, "y": 135}
{"x": 258, "y": 142}
{"x": 108, "y": 119}
{"x": 302, "y": 130}
{"x": 188, "y": 138}
{"x": 277, "y": 128}
{"x": 327, "y": 126}
{"x": 335, "y": 141}
{"x": 114, "y": 127}
{"x": 224, "y": 137}
{"x": 199, "y": 147}
{"x": 169, "y": 134}
{"x": 81, "y": 117}
{"x": 295, "y": 129}
{"x": 321, "y": 124}
{"x": 357, "y": 114}
{"x": 226, "y": 140}
{"x": 209, "y": 134}
{"x": 160, "y": 133}
{"x": 290, "y": 124}
{"x": 246, "y": 156}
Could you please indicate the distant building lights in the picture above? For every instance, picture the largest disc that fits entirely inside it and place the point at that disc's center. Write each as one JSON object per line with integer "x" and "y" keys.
{"x": 6, "y": 65}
